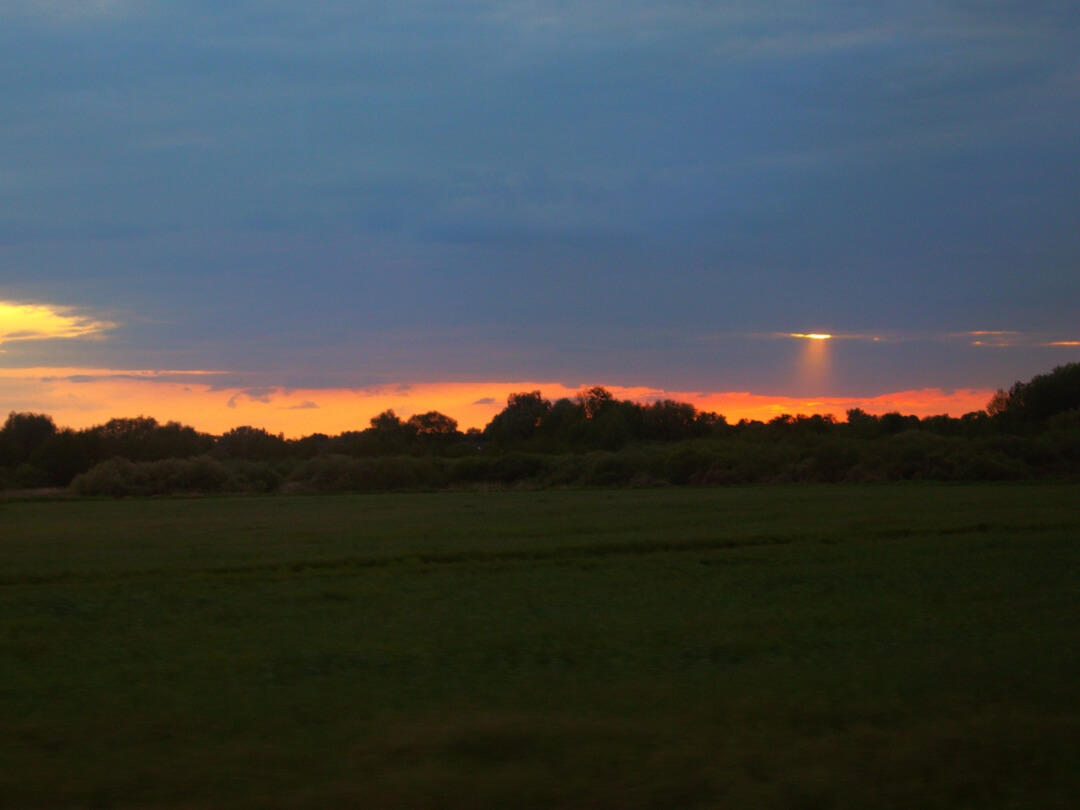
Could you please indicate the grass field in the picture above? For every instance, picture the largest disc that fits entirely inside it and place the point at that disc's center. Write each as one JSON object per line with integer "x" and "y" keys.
{"x": 802, "y": 647}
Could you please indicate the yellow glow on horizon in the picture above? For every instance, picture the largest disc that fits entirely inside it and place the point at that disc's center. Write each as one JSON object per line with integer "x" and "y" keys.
{"x": 920, "y": 402}
{"x": 811, "y": 336}
{"x": 45, "y": 322}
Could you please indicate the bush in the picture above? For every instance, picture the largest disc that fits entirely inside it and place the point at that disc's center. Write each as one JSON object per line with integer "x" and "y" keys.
{"x": 983, "y": 465}
{"x": 344, "y": 473}
{"x": 27, "y": 476}
{"x": 116, "y": 478}
{"x": 119, "y": 477}
{"x": 608, "y": 469}
{"x": 690, "y": 463}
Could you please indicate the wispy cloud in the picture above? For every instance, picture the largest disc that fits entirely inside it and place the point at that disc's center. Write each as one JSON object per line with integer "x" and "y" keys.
{"x": 1003, "y": 339}
{"x": 166, "y": 376}
{"x": 977, "y": 337}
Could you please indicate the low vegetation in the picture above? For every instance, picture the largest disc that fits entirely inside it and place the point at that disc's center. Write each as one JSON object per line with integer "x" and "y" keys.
{"x": 897, "y": 646}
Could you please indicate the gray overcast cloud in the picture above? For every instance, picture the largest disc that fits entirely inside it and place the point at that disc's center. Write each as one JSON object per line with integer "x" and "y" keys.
{"x": 632, "y": 192}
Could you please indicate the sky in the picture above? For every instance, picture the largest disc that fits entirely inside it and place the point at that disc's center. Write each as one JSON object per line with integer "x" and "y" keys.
{"x": 295, "y": 215}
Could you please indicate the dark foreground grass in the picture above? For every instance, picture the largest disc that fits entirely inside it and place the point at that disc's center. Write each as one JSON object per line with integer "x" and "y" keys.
{"x": 804, "y": 647}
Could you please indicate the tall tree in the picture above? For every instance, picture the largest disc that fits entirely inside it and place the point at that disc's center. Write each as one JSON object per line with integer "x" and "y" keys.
{"x": 22, "y": 434}
{"x": 594, "y": 400}
{"x": 520, "y": 419}
{"x": 1043, "y": 396}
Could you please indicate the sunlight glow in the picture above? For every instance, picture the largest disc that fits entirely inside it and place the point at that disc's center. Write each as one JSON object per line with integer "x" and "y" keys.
{"x": 811, "y": 336}
{"x": 45, "y": 322}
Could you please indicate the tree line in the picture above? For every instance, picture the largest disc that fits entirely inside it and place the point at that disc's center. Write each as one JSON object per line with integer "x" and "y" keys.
{"x": 1030, "y": 430}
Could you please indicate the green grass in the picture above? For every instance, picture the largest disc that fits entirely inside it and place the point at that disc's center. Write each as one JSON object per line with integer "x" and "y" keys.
{"x": 803, "y": 647}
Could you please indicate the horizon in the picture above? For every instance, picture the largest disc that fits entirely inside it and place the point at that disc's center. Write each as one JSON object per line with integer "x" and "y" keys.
{"x": 298, "y": 413}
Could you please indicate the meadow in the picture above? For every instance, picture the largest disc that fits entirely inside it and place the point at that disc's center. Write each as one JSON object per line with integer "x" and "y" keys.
{"x": 811, "y": 646}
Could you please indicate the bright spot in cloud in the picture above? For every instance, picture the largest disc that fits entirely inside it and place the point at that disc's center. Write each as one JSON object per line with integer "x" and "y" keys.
{"x": 811, "y": 336}
{"x": 45, "y": 322}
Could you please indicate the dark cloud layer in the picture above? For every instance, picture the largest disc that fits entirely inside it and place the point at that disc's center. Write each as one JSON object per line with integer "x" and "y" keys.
{"x": 369, "y": 192}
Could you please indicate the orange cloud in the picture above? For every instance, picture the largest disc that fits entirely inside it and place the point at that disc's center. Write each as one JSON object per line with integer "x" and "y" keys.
{"x": 80, "y": 398}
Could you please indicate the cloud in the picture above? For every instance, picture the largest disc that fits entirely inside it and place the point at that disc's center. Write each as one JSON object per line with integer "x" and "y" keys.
{"x": 485, "y": 401}
{"x": 92, "y": 375}
{"x": 549, "y": 174}
{"x": 46, "y": 322}
{"x": 263, "y": 395}
{"x": 306, "y": 405}
{"x": 1004, "y": 339}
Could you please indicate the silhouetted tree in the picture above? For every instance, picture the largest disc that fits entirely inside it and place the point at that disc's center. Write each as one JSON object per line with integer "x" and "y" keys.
{"x": 389, "y": 434}
{"x": 615, "y": 423}
{"x": 311, "y": 446}
{"x": 142, "y": 439}
{"x": 895, "y": 422}
{"x": 594, "y": 400}
{"x": 433, "y": 431}
{"x": 815, "y": 423}
{"x": 667, "y": 420}
{"x": 432, "y": 423}
{"x": 520, "y": 419}
{"x": 252, "y": 443}
{"x": 22, "y": 434}
{"x": 1042, "y": 397}
{"x": 65, "y": 454}
{"x": 387, "y": 421}
{"x": 999, "y": 403}
{"x": 563, "y": 427}
{"x": 711, "y": 422}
